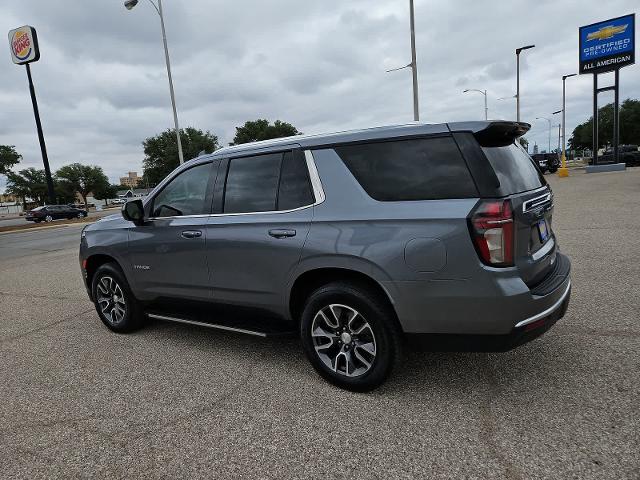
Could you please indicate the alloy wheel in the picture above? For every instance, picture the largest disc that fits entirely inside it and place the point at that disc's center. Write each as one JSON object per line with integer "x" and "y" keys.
{"x": 343, "y": 340}
{"x": 48, "y": 218}
{"x": 111, "y": 300}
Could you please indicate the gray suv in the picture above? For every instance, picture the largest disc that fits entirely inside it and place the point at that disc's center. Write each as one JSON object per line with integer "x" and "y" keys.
{"x": 435, "y": 236}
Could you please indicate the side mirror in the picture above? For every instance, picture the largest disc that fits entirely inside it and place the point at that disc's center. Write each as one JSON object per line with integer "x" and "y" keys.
{"x": 133, "y": 211}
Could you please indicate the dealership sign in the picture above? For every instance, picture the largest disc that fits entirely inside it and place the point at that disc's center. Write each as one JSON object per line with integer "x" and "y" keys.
{"x": 607, "y": 45}
{"x": 23, "y": 43}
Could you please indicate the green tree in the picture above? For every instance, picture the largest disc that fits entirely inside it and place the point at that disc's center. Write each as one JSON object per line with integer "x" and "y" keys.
{"x": 106, "y": 191}
{"x": 64, "y": 191}
{"x": 83, "y": 179}
{"x": 8, "y": 158}
{"x": 256, "y": 130}
{"x": 161, "y": 151}
{"x": 29, "y": 183}
{"x": 582, "y": 136}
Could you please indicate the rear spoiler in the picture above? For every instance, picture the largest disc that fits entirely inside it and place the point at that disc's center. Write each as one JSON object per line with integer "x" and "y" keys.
{"x": 501, "y": 134}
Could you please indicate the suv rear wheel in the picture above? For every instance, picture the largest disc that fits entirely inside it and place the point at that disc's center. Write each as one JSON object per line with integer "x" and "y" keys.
{"x": 349, "y": 336}
{"x": 117, "y": 307}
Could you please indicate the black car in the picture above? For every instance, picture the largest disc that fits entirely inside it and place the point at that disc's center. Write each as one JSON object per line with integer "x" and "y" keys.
{"x": 50, "y": 213}
{"x": 548, "y": 162}
{"x": 627, "y": 154}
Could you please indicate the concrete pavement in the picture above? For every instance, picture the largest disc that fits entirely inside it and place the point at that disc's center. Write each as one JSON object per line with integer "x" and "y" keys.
{"x": 173, "y": 401}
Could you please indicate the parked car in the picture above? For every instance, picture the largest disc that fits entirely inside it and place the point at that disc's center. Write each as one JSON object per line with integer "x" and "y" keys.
{"x": 547, "y": 162}
{"x": 627, "y": 154}
{"x": 439, "y": 236}
{"x": 119, "y": 201}
{"x": 49, "y": 213}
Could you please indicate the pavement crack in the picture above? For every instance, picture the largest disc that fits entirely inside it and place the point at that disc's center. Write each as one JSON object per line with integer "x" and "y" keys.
{"x": 489, "y": 427}
{"x": 44, "y": 297}
{"x": 43, "y": 327}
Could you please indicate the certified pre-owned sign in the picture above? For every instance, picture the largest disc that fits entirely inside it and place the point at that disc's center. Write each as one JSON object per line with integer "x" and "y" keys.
{"x": 607, "y": 45}
{"x": 23, "y": 43}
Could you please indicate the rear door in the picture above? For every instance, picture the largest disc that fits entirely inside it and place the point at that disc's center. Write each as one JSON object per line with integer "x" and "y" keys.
{"x": 264, "y": 205}
{"x": 532, "y": 204}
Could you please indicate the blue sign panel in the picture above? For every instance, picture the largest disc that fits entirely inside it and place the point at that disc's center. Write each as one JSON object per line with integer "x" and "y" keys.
{"x": 607, "y": 45}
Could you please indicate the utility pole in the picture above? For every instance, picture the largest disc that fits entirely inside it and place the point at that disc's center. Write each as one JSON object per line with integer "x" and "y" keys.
{"x": 414, "y": 65}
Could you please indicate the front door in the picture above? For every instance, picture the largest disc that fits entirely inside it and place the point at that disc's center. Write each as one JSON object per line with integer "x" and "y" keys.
{"x": 168, "y": 251}
{"x": 255, "y": 241}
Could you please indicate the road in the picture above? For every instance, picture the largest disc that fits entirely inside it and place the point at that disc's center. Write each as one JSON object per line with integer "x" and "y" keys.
{"x": 173, "y": 401}
{"x": 37, "y": 241}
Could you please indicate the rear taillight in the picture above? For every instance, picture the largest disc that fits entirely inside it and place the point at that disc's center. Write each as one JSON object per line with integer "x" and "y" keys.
{"x": 491, "y": 226}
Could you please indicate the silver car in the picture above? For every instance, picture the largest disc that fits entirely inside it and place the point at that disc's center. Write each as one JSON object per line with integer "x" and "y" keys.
{"x": 361, "y": 243}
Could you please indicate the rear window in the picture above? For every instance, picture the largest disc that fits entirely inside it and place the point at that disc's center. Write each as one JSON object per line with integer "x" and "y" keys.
{"x": 514, "y": 168}
{"x": 421, "y": 169}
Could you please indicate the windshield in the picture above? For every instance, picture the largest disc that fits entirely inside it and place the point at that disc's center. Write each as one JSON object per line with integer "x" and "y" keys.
{"x": 514, "y": 168}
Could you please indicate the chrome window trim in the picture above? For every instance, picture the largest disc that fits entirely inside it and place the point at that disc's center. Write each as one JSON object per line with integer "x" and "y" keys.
{"x": 318, "y": 193}
{"x": 546, "y": 312}
{"x": 316, "y": 183}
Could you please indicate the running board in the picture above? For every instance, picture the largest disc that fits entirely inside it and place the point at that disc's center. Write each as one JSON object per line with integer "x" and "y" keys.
{"x": 272, "y": 332}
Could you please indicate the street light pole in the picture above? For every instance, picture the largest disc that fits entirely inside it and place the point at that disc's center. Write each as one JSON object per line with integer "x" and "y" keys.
{"x": 549, "y": 121}
{"x": 518, "y": 50}
{"x": 483, "y": 92}
{"x": 129, "y": 4}
{"x": 414, "y": 65}
{"x": 563, "y": 171}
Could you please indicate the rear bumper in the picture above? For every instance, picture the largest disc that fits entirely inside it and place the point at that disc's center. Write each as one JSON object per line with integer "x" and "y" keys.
{"x": 524, "y": 332}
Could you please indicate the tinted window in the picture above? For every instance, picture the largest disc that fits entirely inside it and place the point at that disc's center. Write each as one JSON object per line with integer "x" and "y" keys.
{"x": 252, "y": 184}
{"x": 295, "y": 189}
{"x": 185, "y": 194}
{"x": 514, "y": 168}
{"x": 422, "y": 169}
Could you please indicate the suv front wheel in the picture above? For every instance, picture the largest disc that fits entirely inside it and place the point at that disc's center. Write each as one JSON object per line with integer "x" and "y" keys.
{"x": 349, "y": 336}
{"x": 117, "y": 307}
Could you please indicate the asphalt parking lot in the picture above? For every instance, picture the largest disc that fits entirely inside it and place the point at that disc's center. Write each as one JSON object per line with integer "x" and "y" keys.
{"x": 175, "y": 401}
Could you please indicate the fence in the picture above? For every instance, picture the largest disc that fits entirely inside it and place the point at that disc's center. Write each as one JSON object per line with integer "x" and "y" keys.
{"x": 10, "y": 209}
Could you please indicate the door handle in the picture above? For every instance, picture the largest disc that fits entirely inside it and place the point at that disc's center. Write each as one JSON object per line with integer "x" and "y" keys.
{"x": 282, "y": 233}
{"x": 191, "y": 234}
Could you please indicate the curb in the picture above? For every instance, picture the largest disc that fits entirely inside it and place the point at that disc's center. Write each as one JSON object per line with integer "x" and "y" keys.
{"x": 44, "y": 227}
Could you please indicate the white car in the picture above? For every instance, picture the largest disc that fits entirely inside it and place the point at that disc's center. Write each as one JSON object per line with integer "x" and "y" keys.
{"x": 119, "y": 201}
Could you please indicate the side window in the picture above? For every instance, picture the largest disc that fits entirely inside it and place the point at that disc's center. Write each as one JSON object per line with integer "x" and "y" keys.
{"x": 295, "y": 187}
{"x": 252, "y": 184}
{"x": 422, "y": 169}
{"x": 185, "y": 195}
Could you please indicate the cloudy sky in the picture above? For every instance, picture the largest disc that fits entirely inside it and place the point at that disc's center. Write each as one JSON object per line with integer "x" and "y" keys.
{"x": 319, "y": 64}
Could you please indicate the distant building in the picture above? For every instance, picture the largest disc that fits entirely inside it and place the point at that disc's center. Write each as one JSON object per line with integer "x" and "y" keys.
{"x": 535, "y": 148}
{"x": 132, "y": 180}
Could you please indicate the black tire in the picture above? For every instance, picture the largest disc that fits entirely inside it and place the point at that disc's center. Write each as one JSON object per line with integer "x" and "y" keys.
{"x": 102, "y": 287}
{"x": 374, "y": 311}
{"x": 553, "y": 170}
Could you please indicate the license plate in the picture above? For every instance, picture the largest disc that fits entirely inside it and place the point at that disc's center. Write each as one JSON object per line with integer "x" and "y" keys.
{"x": 543, "y": 230}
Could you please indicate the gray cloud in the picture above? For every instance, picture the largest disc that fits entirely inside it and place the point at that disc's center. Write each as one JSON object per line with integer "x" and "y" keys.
{"x": 320, "y": 65}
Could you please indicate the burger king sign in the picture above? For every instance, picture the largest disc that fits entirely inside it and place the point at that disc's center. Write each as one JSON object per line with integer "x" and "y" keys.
{"x": 23, "y": 43}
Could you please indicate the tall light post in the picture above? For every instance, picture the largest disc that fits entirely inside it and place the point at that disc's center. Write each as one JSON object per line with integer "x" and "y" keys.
{"x": 413, "y": 65}
{"x": 563, "y": 171}
{"x": 129, "y": 4}
{"x": 518, "y": 50}
{"x": 483, "y": 92}
{"x": 549, "y": 121}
